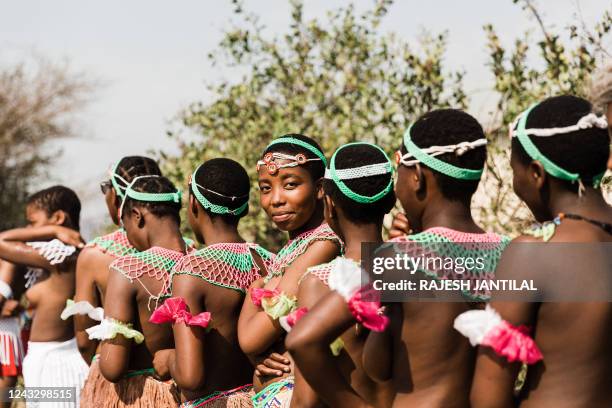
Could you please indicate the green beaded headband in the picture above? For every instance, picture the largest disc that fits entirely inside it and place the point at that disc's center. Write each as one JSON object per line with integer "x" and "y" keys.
{"x": 215, "y": 208}
{"x": 292, "y": 160}
{"x": 426, "y": 156}
{"x": 337, "y": 175}
{"x": 301, "y": 143}
{"x": 113, "y": 176}
{"x": 148, "y": 197}
{"x": 521, "y": 133}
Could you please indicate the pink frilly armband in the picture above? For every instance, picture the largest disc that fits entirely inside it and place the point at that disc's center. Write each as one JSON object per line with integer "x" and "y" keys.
{"x": 174, "y": 310}
{"x": 258, "y": 294}
{"x": 487, "y": 328}
{"x": 287, "y": 322}
{"x": 348, "y": 279}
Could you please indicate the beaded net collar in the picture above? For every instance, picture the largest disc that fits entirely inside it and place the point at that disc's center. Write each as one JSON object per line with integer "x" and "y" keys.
{"x": 320, "y": 271}
{"x": 297, "y": 246}
{"x": 230, "y": 265}
{"x": 440, "y": 242}
{"x": 155, "y": 262}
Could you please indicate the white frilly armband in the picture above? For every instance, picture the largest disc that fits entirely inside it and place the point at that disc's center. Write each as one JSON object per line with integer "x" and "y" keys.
{"x": 475, "y": 324}
{"x": 346, "y": 277}
{"x": 54, "y": 251}
{"x": 82, "y": 308}
{"x": 486, "y": 328}
{"x": 5, "y": 290}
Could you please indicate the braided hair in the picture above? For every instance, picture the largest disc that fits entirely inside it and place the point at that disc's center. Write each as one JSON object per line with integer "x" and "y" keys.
{"x": 158, "y": 184}
{"x": 130, "y": 167}
{"x": 58, "y": 198}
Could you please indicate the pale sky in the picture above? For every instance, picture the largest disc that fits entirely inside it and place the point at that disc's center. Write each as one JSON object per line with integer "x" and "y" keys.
{"x": 150, "y": 58}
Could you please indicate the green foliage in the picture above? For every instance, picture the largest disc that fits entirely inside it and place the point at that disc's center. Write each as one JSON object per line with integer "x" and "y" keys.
{"x": 37, "y": 99}
{"x": 342, "y": 80}
{"x": 337, "y": 81}
{"x": 528, "y": 72}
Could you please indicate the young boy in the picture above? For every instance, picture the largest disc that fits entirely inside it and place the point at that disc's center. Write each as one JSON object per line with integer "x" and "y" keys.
{"x": 559, "y": 152}
{"x": 208, "y": 288}
{"x": 53, "y": 358}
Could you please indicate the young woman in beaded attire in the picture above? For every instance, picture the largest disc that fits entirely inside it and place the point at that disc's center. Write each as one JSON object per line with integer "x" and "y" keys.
{"x": 208, "y": 290}
{"x": 328, "y": 348}
{"x": 289, "y": 177}
{"x": 137, "y": 284}
{"x": 559, "y": 154}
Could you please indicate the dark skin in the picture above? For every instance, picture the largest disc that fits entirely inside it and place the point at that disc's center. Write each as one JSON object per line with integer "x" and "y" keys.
{"x": 576, "y": 370}
{"x": 339, "y": 381}
{"x": 203, "y": 362}
{"x": 46, "y": 299}
{"x": 91, "y": 279}
{"x": 429, "y": 362}
{"x": 292, "y": 199}
{"x": 131, "y": 300}
{"x": 8, "y": 274}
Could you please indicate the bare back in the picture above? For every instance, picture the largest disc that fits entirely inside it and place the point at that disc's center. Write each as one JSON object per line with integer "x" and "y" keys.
{"x": 574, "y": 337}
{"x": 433, "y": 364}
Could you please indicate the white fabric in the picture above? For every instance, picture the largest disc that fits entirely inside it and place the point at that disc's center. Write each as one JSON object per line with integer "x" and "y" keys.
{"x": 5, "y": 290}
{"x": 82, "y": 308}
{"x": 284, "y": 324}
{"x": 586, "y": 122}
{"x": 32, "y": 276}
{"x": 55, "y": 251}
{"x": 54, "y": 364}
{"x": 459, "y": 149}
{"x": 476, "y": 324}
{"x": 362, "y": 171}
{"x": 346, "y": 277}
{"x": 103, "y": 331}
{"x": 10, "y": 341}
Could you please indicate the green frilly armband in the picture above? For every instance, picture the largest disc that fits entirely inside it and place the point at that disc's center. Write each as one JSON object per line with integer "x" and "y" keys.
{"x": 110, "y": 328}
{"x": 279, "y": 305}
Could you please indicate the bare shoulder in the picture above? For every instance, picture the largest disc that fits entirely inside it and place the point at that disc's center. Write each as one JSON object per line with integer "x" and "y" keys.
{"x": 187, "y": 285}
{"x": 91, "y": 261}
{"x": 311, "y": 289}
{"x": 318, "y": 252}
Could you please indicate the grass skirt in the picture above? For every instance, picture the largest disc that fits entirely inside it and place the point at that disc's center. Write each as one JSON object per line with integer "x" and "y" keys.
{"x": 136, "y": 390}
{"x": 240, "y": 397}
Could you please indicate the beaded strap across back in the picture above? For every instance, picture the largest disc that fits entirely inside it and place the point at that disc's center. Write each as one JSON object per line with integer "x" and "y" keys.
{"x": 297, "y": 246}
{"x": 155, "y": 262}
{"x": 447, "y": 243}
{"x": 115, "y": 244}
{"x": 230, "y": 265}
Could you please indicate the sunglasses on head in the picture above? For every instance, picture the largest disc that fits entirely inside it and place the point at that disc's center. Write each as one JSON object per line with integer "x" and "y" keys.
{"x": 105, "y": 186}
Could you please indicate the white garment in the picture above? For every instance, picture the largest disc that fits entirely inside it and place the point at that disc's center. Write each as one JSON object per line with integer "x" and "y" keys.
{"x": 10, "y": 341}
{"x": 54, "y": 364}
